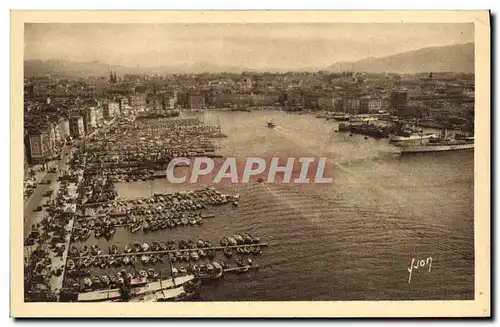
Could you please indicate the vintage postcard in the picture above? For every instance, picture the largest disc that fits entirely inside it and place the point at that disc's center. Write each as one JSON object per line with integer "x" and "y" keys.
{"x": 250, "y": 164}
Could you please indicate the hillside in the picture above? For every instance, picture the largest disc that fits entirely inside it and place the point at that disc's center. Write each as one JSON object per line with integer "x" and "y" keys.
{"x": 454, "y": 58}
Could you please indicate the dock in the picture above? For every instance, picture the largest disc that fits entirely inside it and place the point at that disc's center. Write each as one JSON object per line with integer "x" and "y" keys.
{"x": 216, "y": 248}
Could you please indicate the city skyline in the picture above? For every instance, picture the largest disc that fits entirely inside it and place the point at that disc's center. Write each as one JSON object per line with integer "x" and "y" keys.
{"x": 290, "y": 46}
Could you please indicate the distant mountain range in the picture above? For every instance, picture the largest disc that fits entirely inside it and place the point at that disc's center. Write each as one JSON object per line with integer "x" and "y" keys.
{"x": 453, "y": 58}
{"x": 97, "y": 68}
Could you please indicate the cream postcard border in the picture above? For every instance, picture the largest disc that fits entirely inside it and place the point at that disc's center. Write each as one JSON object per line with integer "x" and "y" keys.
{"x": 479, "y": 307}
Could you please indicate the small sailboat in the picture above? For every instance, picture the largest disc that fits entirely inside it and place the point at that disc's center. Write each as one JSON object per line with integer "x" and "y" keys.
{"x": 227, "y": 252}
{"x": 128, "y": 248}
{"x": 145, "y": 259}
{"x": 145, "y": 247}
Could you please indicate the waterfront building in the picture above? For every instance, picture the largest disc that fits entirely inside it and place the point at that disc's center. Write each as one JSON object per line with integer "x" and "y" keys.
{"x": 196, "y": 101}
{"x": 352, "y": 105}
{"x": 370, "y": 105}
{"x": 263, "y": 99}
{"x": 399, "y": 100}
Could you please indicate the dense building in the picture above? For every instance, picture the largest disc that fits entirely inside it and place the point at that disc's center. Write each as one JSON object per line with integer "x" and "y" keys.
{"x": 399, "y": 100}
{"x": 137, "y": 101}
{"x": 89, "y": 119}
{"x": 41, "y": 145}
{"x": 76, "y": 126}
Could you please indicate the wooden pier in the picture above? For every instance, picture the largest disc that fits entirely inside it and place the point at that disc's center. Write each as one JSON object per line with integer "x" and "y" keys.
{"x": 216, "y": 248}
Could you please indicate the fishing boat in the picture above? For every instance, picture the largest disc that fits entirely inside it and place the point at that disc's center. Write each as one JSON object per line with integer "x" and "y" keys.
{"x": 202, "y": 253}
{"x": 84, "y": 251}
{"x": 163, "y": 246}
{"x": 87, "y": 283}
{"x": 113, "y": 249}
{"x": 155, "y": 246}
{"x": 248, "y": 238}
{"x": 145, "y": 258}
{"x": 240, "y": 262}
{"x": 96, "y": 282}
{"x": 126, "y": 260}
{"x": 343, "y": 117}
{"x": 211, "y": 253}
{"x": 105, "y": 280}
{"x": 73, "y": 251}
{"x": 70, "y": 264}
{"x": 143, "y": 274}
{"x": 94, "y": 249}
{"x": 239, "y": 239}
{"x": 194, "y": 255}
{"x": 185, "y": 256}
{"x": 152, "y": 274}
{"x": 134, "y": 228}
{"x": 224, "y": 241}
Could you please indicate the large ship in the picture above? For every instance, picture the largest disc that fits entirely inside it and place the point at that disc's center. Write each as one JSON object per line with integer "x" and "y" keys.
{"x": 452, "y": 145}
{"x": 407, "y": 134}
{"x": 412, "y": 137}
{"x": 441, "y": 145}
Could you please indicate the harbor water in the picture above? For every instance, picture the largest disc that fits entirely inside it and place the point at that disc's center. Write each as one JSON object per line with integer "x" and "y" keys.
{"x": 353, "y": 239}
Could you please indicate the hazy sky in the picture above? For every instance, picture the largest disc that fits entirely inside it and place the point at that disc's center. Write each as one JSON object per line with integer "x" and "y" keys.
{"x": 257, "y": 46}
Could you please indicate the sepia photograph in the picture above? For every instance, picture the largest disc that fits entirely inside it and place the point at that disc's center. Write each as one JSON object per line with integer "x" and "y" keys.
{"x": 209, "y": 160}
